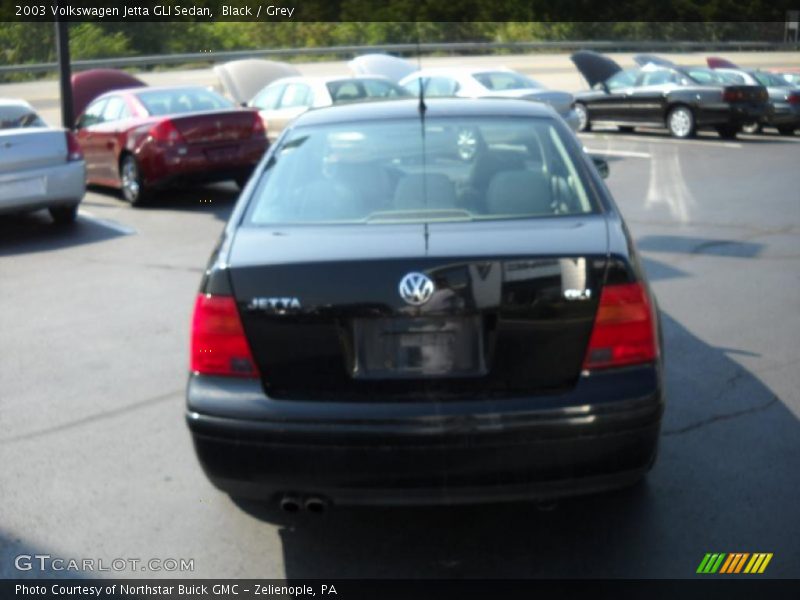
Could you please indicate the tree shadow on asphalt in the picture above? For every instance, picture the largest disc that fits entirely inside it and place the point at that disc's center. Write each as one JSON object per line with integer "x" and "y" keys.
{"x": 725, "y": 480}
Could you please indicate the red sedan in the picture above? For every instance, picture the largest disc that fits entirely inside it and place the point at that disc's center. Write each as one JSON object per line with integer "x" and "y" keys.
{"x": 143, "y": 138}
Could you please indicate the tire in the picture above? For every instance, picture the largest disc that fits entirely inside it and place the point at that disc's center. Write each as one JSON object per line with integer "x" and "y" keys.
{"x": 681, "y": 123}
{"x": 727, "y": 132}
{"x": 786, "y": 130}
{"x": 133, "y": 189}
{"x": 584, "y": 124}
{"x": 64, "y": 215}
{"x": 752, "y": 128}
{"x": 625, "y": 128}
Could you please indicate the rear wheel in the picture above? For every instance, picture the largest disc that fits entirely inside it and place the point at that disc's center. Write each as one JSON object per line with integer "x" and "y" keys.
{"x": 786, "y": 130}
{"x": 133, "y": 189}
{"x": 680, "y": 122}
{"x": 583, "y": 117}
{"x": 64, "y": 215}
{"x": 727, "y": 132}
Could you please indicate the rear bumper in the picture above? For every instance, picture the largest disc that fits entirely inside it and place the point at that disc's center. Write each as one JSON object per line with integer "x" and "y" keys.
{"x": 428, "y": 452}
{"x": 33, "y": 189}
{"x": 162, "y": 167}
{"x": 726, "y": 113}
{"x": 783, "y": 115}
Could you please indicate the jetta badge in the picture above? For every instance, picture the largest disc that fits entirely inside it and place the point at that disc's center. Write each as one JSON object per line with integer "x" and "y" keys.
{"x": 416, "y": 288}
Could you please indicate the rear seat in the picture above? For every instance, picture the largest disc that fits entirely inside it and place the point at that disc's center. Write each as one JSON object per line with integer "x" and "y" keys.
{"x": 519, "y": 192}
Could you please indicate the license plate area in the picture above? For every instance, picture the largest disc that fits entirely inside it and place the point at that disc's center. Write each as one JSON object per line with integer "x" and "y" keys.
{"x": 407, "y": 348}
{"x": 222, "y": 154}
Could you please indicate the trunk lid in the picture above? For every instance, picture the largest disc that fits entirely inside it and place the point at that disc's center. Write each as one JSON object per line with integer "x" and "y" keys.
{"x": 23, "y": 149}
{"x": 215, "y": 127}
{"x": 512, "y": 318}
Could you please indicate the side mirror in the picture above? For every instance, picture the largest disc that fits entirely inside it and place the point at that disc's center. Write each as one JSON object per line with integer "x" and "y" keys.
{"x": 601, "y": 164}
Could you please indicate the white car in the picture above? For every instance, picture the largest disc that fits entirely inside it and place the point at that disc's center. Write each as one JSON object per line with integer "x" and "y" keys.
{"x": 40, "y": 166}
{"x": 464, "y": 82}
{"x": 285, "y": 99}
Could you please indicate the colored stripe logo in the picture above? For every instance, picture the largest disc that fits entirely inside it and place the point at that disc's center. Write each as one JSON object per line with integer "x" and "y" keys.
{"x": 734, "y": 563}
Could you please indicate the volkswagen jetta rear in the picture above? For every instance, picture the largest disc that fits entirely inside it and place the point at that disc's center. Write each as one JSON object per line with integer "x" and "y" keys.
{"x": 386, "y": 322}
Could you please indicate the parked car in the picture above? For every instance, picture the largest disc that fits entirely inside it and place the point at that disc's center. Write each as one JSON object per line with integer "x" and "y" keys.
{"x": 141, "y": 139}
{"x": 792, "y": 77}
{"x": 385, "y": 65}
{"x": 489, "y": 83}
{"x": 661, "y": 94}
{"x": 243, "y": 79}
{"x": 40, "y": 166}
{"x": 784, "y": 98}
{"x": 384, "y": 323}
{"x": 283, "y": 100}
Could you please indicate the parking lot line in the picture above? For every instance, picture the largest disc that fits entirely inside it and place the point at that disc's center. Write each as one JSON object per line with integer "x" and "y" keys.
{"x": 118, "y": 227}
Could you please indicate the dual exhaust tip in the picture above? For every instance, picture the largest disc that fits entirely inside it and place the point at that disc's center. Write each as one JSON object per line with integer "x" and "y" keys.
{"x": 312, "y": 504}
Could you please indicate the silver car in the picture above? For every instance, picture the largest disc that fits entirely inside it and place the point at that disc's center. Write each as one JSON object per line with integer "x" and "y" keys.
{"x": 489, "y": 83}
{"x": 40, "y": 166}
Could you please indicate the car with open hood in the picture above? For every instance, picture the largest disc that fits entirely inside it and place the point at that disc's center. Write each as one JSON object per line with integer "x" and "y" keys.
{"x": 382, "y": 322}
{"x": 141, "y": 139}
{"x": 660, "y": 93}
{"x": 40, "y": 166}
{"x": 784, "y": 98}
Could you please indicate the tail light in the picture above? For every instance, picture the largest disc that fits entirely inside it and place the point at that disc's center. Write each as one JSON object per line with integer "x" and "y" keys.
{"x": 219, "y": 346}
{"x": 793, "y": 98}
{"x": 732, "y": 95}
{"x": 259, "y": 130}
{"x": 166, "y": 132}
{"x": 74, "y": 151}
{"x": 624, "y": 329}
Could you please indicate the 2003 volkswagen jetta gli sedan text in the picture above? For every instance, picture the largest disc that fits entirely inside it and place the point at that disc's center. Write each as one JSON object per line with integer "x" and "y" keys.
{"x": 386, "y": 322}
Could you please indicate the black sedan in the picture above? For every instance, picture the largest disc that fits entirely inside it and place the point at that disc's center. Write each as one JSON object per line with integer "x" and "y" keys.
{"x": 385, "y": 322}
{"x": 661, "y": 94}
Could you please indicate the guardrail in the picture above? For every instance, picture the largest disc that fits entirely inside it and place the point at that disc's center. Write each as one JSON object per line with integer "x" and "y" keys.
{"x": 413, "y": 49}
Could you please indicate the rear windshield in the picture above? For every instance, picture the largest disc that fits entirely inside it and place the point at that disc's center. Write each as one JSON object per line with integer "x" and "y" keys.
{"x": 463, "y": 169}
{"x": 14, "y": 117}
{"x": 353, "y": 90}
{"x": 188, "y": 100}
{"x": 498, "y": 81}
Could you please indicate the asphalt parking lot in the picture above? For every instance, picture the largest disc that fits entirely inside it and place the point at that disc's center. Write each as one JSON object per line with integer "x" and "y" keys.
{"x": 97, "y": 461}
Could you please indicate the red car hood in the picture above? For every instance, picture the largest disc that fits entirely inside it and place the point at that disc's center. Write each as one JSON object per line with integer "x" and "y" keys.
{"x": 88, "y": 85}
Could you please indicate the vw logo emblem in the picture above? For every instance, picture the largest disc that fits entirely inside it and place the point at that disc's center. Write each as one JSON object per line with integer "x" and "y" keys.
{"x": 416, "y": 288}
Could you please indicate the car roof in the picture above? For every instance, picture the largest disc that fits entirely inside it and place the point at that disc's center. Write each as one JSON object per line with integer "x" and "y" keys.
{"x": 435, "y": 107}
{"x": 461, "y": 71}
{"x": 14, "y": 102}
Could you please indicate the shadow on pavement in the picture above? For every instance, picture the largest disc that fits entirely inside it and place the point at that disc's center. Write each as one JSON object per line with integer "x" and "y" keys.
{"x": 36, "y": 232}
{"x": 695, "y": 245}
{"x": 725, "y": 481}
{"x": 217, "y": 199}
{"x": 13, "y": 546}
